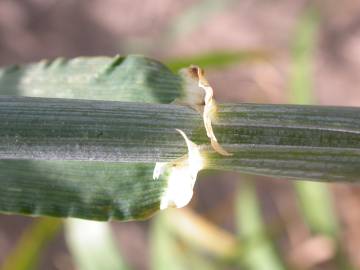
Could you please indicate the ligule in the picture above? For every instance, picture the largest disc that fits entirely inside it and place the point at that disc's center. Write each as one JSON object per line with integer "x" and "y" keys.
{"x": 204, "y": 102}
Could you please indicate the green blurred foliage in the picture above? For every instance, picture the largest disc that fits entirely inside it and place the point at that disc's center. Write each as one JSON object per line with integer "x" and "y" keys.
{"x": 314, "y": 198}
{"x": 92, "y": 245}
{"x": 259, "y": 251}
{"x": 33, "y": 241}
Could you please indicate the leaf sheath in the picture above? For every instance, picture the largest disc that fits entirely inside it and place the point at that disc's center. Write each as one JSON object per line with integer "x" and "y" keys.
{"x": 313, "y": 142}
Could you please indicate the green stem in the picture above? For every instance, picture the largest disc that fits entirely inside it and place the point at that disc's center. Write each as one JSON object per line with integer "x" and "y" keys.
{"x": 311, "y": 142}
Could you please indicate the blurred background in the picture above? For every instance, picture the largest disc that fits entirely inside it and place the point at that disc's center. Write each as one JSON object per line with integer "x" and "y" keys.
{"x": 264, "y": 51}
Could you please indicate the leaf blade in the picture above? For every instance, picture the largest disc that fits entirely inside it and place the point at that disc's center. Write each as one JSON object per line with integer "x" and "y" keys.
{"x": 86, "y": 190}
{"x": 125, "y": 78}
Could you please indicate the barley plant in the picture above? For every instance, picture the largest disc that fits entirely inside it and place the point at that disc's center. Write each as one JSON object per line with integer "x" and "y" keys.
{"x": 125, "y": 138}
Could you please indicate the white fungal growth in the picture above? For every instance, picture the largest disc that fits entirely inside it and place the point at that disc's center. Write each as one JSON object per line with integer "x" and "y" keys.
{"x": 181, "y": 176}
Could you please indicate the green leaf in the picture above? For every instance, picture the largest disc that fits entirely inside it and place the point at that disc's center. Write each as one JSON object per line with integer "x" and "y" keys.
{"x": 130, "y": 78}
{"x": 258, "y": 252}
{"x": 199, "y": 234}
{"x": 315, "y": 200}
{"x": 90, "y": 190}
{"x": 169, "y": 252}
{"x": 217, "y": 59}
{"x": 196, "y": 15}
{"x": 92, "y": 246}
{"x": 27, "y": 252}
{"x": 280, "y": 140}
{"x": 316, "y": 205}
{"x": 94, "y": 188}
{"x": 314, "y": 142}
{"x": 303, "y": 52}
{"x": 68, "y": 129}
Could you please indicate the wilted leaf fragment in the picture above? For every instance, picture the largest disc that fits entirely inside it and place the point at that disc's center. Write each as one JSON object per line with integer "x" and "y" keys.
{"x": 203, "y": 102}
{"x": 181, "y": 176}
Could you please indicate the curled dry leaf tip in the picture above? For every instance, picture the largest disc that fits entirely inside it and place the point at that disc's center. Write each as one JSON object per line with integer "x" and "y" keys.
{"x": 203, "y": 101}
